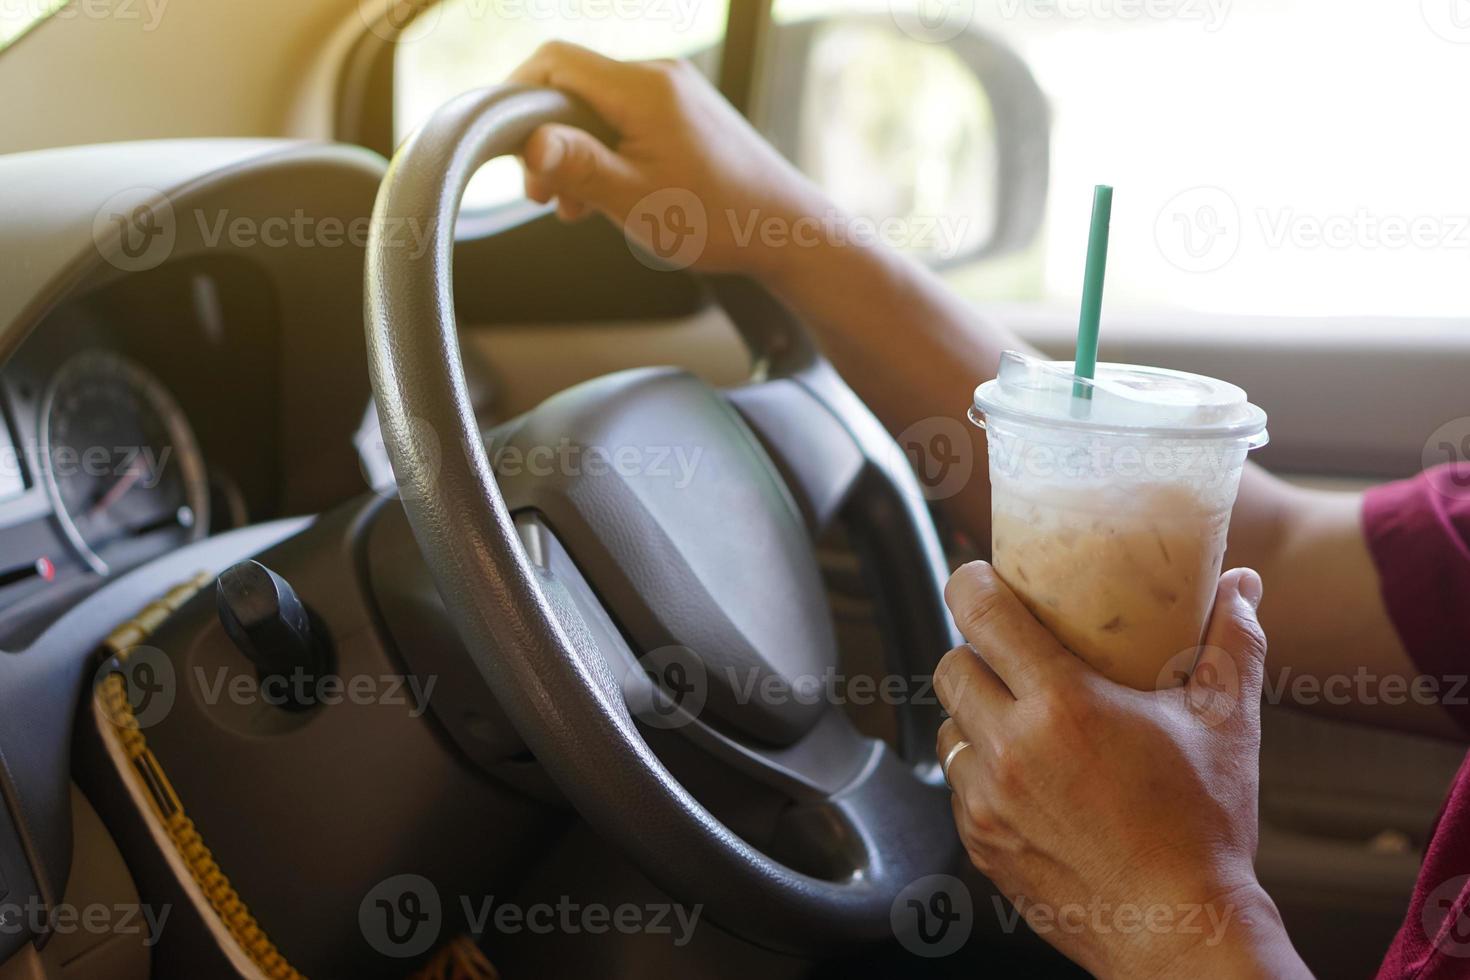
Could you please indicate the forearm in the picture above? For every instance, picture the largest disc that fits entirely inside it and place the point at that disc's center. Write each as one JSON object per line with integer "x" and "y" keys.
{"x": 908, "y": 345}
{"x": 1334, "y": 649}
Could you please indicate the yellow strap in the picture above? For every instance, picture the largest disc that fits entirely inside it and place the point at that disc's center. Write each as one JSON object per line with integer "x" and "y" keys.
{"x": 113, "y": 694}
{"x": 459, "y": 959}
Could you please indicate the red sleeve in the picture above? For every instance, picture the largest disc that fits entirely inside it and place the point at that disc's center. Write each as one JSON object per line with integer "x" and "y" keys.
{"x": 1418, "y": 531}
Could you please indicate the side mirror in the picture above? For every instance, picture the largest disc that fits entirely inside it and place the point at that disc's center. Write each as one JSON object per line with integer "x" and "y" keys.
{"x": 945, "y": 141}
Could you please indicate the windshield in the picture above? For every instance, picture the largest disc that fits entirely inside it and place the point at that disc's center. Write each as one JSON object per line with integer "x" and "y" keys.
{"x": 19, "y": 16}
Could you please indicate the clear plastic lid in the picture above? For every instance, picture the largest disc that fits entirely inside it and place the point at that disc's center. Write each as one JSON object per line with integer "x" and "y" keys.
{"x": 1123, "y": 398}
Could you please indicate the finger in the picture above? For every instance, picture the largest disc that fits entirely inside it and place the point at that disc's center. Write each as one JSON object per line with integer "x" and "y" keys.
{"x": 963, "y": 762}
{"x": 1233, "y": 654}
{"x": 570, "y": 210}
{"x": 536, "y": 188}
{"x": 568, "y": 162}
{"x": 975, "y": 848}
{"x": 969, "y": 690}
{"x": 596, "y": 79}
{"x": 969, "y": 802}
{"x": 1022, "y": 652}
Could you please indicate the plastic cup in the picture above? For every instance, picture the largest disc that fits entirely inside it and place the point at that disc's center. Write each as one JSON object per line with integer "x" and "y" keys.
{"x": 1110, "y": 503}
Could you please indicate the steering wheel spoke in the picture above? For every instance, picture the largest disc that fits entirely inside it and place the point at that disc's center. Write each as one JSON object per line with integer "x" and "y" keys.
{"x": 818, "y": 457}
{"x": 847, "y": 791}
{"x": 819, "y": 765}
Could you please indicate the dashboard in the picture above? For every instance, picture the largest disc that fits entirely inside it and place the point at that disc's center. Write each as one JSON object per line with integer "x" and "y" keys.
{"x": 137, "y": 417}
{"x": 145, "y": 408}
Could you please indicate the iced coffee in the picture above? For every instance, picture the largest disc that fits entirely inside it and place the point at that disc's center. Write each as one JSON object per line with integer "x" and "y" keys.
{"x": 1111, "y": 501}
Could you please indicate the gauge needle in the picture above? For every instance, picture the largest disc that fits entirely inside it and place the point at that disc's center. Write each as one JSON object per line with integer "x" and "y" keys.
{"x": 116, "y": 491}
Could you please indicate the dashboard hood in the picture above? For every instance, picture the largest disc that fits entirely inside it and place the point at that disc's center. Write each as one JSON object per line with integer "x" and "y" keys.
{"x": 53, "y": 211}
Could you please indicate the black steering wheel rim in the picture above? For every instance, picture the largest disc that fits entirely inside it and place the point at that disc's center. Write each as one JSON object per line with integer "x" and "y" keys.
{"x": 520, "y": 626}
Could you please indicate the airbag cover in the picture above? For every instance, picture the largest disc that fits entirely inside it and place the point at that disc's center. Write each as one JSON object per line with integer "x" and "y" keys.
{"x": 678, "y": 518}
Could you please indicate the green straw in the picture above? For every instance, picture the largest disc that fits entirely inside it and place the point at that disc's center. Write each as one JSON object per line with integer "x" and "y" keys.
{"x": 1084, "y": 365}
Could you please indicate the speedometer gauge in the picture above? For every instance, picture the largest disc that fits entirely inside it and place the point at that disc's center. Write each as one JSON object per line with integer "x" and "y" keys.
{"x": 120, "y": 462}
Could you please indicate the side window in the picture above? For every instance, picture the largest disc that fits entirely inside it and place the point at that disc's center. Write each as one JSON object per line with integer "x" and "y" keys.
{"x": 1275, "y": 157}
{"x": 462, "y": 44}
{"x": 907, "y": 133}
{"x": 932, "y": 134}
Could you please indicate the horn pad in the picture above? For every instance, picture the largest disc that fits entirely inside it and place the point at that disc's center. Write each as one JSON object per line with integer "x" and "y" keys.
{"x": 677, "y": 517}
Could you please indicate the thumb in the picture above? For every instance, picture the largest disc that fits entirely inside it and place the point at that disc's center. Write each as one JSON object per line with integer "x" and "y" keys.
{"x": 1232, "y": 659}
{"x": 563, "y": 161}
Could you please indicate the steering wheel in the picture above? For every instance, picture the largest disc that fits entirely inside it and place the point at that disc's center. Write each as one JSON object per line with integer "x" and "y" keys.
{"x": 588, "y": 600}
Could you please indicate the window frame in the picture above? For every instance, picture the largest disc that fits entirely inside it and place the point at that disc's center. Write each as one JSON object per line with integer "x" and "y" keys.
{"x": 365, "y": 83}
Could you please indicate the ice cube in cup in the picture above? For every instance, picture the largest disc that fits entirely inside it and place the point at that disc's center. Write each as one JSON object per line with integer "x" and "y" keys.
{"x": 1110, "y": 504}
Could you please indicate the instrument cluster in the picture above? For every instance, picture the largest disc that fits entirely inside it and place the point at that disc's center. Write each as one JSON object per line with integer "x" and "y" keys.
{"x": 135, "y": 421}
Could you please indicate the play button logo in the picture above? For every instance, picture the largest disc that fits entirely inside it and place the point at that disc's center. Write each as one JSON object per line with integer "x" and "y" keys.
{"x": 933, "y": 916}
